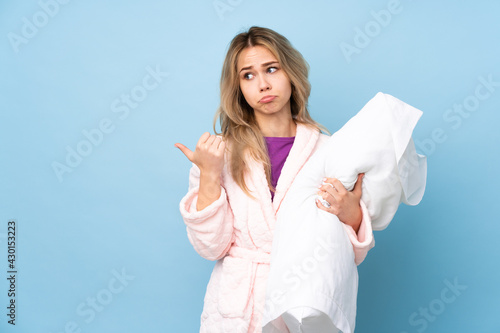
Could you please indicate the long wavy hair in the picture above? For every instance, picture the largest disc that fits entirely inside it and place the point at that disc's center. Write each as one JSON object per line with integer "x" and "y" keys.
{"x": 237, "y": 120}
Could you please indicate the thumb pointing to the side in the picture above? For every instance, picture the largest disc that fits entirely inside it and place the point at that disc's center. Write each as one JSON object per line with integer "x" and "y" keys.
{"x": 185, "y": 150}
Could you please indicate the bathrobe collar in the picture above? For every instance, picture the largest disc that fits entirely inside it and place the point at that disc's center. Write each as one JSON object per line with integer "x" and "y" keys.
{"x": 303, "y": 146}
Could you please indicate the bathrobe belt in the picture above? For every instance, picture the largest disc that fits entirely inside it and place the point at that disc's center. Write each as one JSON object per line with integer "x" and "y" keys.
{"x": 239, "y": 270}
{"x": 256, "y": 256}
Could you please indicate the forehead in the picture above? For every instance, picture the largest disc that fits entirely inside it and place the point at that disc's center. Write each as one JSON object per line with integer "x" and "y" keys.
{"x": 254, "y": 56}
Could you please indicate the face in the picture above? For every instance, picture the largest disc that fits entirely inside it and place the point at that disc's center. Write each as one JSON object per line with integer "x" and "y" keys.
{"x": 263, "y": 82}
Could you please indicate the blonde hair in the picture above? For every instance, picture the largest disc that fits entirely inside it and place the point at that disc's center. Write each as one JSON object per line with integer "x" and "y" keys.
{"x": 237, "y": 120}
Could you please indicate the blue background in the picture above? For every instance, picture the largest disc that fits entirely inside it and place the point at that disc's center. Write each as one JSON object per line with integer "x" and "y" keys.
{"x": 118, "y": 208}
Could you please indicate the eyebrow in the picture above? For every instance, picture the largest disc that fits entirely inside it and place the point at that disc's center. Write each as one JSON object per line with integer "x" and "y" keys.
{"x": 263, "y": 65}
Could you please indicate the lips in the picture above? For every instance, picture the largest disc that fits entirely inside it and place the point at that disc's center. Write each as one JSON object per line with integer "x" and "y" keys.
{"x": 267, "y": 99}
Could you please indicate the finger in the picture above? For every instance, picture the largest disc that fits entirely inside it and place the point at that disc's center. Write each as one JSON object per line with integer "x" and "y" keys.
{"x": 327, "y": 183}
{"x": 331, "y": 210}
{"x": 320, "y": 206}
{"x": 335, "y": 188}
{"x": 328, "y": 197}
{"x": 216, "y": 142}
{"x": 330, "y": 189}
{"x": 203, "y": 139}
{"x": 211, "y": 140}
{"x": 213, "y": 146}
{"x": 339, "y": 186}
{"x": 359, "y": 183}
{"x": 185, "y": 150}
{"x": 222, "y": 145}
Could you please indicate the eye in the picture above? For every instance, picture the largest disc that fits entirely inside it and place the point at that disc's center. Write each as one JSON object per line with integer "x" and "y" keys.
{"x": 272, "y": 69}
{"x": 248, "y": 76}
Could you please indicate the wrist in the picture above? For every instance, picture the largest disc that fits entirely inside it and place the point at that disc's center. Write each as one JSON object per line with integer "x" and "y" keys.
{"x": 359, "y": 218}
{"x": 209, "y": 175}
{"x": 209, "y": 190}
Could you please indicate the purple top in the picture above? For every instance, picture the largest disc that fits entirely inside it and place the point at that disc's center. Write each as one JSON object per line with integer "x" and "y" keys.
{"x": 278, "y": 148}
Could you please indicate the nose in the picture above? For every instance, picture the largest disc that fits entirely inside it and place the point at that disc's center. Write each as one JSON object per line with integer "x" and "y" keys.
{"x": 264, "y": 83}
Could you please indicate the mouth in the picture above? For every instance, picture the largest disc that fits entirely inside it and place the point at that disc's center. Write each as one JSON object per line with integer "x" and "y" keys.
{"x": 267, "y": 99}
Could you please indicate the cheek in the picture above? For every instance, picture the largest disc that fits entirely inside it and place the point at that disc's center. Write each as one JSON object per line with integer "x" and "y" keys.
{"x": 246, "y": 91}
{"x": 287, "y": 88}
{"x": 285, "y": 84}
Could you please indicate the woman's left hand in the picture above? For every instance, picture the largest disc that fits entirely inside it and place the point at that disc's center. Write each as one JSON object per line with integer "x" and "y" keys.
{"x": 343, "y": 203}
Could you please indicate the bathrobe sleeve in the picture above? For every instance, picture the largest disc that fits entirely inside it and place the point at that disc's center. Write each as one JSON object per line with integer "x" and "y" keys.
{"x": 209, "y": 230}
{"x": 364, "y": 240}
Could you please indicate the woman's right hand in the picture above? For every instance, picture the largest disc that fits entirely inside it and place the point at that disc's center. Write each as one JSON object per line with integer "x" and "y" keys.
{"x": 208, "y": 154}
{"x": 209, "y": 157}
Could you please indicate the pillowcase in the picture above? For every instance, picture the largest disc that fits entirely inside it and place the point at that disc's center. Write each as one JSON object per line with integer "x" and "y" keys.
{"x": 312, "y": 259}
{"x": 377, "y": 141}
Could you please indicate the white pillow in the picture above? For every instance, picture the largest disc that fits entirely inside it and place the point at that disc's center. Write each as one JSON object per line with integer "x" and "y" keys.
{"x": 378, "y": 141}
{"x": 312, "y": 260}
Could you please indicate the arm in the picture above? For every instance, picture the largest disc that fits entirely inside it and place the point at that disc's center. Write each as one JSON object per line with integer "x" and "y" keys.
{"x": 210, "y": 229}
{"x": 205, "y": 208}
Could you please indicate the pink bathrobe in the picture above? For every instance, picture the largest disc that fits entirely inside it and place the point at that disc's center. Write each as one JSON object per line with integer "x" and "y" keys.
{"x": 238, "y": 232}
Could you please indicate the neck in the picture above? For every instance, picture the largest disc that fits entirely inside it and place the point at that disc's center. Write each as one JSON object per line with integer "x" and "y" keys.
{"x": 278, "y": 125}
{"x": 278, "y": 128}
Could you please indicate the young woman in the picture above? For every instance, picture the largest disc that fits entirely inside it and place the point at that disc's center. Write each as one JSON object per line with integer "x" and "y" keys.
{"x": 239, "y": 178}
